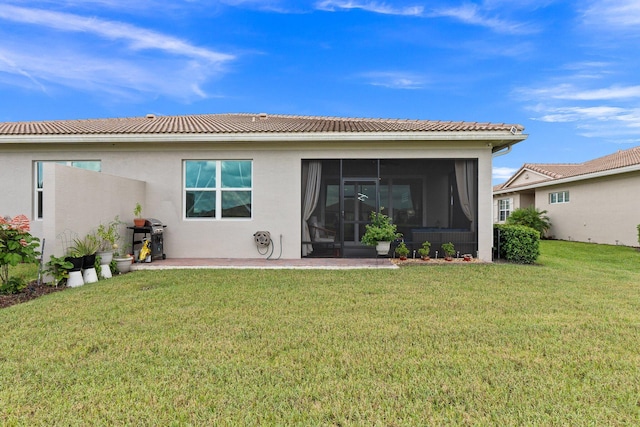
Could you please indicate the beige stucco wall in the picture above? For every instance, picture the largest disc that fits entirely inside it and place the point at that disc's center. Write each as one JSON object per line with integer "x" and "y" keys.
{"x": 605, "y": 210}
{"x": 528, "y": 177}
{"x": 276, "y": 188}
{"x": 16, "y": 173}
{"x": 77, "y": 201}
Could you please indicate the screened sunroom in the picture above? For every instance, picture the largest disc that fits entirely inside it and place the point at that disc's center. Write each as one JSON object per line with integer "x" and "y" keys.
{"x": 428, "y": 199}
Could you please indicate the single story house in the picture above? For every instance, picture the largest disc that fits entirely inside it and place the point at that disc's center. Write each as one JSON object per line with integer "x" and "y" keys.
{"x": 217, "y": 180}
{"x": 595, "y": 201}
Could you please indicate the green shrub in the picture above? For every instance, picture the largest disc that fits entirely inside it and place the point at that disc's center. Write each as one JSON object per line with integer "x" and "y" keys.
{"x": 58, "y": 268}
{"x": 518, "y": 243}
{"x": 17, "y": 246}
{"x": 530, "y": 217}
{"x": 638, "y": 233}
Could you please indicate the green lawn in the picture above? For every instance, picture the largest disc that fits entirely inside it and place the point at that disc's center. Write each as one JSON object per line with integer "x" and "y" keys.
{"x": 551, "y": 344}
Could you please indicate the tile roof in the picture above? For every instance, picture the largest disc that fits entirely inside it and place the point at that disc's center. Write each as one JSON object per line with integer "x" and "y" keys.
{"x": 555, "y": 171}
{"x": 619, "y": 159}
{"x": 242, "y": 123}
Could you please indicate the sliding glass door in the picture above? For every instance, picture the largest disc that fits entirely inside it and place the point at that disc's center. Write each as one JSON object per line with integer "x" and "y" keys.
{"x": 360, "y": 197}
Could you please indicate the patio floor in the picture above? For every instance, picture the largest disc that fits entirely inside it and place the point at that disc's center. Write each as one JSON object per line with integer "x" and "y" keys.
{"x": 262, "y": 263}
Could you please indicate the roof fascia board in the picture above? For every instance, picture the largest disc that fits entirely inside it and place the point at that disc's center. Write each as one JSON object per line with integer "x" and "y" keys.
{"x": 493, "y": 139}
{"x": 571, "y": 179}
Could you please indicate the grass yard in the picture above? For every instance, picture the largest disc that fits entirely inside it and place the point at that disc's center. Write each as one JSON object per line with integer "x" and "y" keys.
{"x": 552, "y": 344}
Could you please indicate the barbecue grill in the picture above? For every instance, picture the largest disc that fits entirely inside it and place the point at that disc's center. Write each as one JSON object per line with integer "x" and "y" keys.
{"x": 154, "y": 229}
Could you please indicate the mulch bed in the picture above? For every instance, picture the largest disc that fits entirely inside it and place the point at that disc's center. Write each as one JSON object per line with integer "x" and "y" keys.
{"x": 433, "y": 261}
{"x": 32, "y": 291}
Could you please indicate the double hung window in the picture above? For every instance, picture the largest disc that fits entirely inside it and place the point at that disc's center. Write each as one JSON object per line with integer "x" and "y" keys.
{"x": 559, "y": 197}
{"x": 218, "y": 189}
{"x": 504, "y": 209}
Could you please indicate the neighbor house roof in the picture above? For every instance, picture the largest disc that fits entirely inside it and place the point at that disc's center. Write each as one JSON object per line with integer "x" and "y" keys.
{"x": 558, "y": 171}
{"x": 243, "y": 123}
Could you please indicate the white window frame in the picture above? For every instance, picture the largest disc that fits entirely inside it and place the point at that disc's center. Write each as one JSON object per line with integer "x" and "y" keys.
{"x": 559, "y": 197}
{"x": 502, "y": 210}
{"x": 36, "y": 180}
{"x": 218, "y": 190}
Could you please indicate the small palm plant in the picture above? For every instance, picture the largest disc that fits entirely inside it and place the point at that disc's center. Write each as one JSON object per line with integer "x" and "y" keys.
{"x": 531, "y": 217}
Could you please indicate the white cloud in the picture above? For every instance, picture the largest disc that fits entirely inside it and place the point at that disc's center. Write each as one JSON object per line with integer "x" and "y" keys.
{"x": 613, "y": 14}
{"x": 394, "y": 79}
{"x": 571, "y": 92}
{"x": 109, "y": 57}
{"x": 503, "y": 173}
{"x": 138, "y": 38}
{"x": 473, "y": 14}
{"x": 370, "y": 6}
{"x": 576, "y": 114}
{"x": 11, "y": 67}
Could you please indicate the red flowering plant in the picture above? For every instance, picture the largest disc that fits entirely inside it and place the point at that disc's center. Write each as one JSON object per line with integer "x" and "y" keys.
{"x": 17, "y": 246}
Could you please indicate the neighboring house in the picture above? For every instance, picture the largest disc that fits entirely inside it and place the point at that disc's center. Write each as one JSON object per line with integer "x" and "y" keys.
{"x": 596, "y": 201}
{"x": 216, "y": 180}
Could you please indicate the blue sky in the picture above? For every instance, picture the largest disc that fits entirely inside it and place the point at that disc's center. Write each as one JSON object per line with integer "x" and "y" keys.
{"x": 566, "y": 70}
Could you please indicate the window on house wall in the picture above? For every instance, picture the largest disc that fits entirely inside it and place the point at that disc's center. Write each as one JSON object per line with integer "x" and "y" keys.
{"x": 559, "y": 197}
{"x": 504, "y": 209}
{"x": 92, "y": 165}
{"x": 218, "y": 189}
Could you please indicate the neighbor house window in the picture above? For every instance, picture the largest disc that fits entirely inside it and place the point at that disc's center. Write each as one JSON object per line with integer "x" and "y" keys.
{"x": 92, "y": 165}
{"x": 218, "y": 189}
{"x": 504, "y": 209}
{"x": 559, "y": 197}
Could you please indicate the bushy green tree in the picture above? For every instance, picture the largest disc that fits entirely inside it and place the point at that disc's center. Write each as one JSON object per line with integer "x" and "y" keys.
{"x": 530, "y": 217}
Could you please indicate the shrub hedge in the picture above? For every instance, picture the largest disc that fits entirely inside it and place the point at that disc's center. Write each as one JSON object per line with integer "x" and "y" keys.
{"x": 518, "y": 243}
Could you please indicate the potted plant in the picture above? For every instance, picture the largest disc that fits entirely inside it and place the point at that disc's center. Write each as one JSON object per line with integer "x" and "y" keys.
{"x": 108, "y": 236}
{"x": 138, "y": 221}
{"x": 122, "y": 259}
{"x": 449, "y": 251}
{"x": 87, "y": 248}
{"x": 380, "y": 232}
{"x": 425, "y": 250}
{"x": 74, "y": 257}
{"x": 402, "y": 251}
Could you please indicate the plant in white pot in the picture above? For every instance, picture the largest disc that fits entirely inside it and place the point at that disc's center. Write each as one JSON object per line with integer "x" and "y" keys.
{"x": 108, "y": 235}
{"x": 122, "y": 259}
{"x": 380, "y": 232}
{"x": 87, "y": 248}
